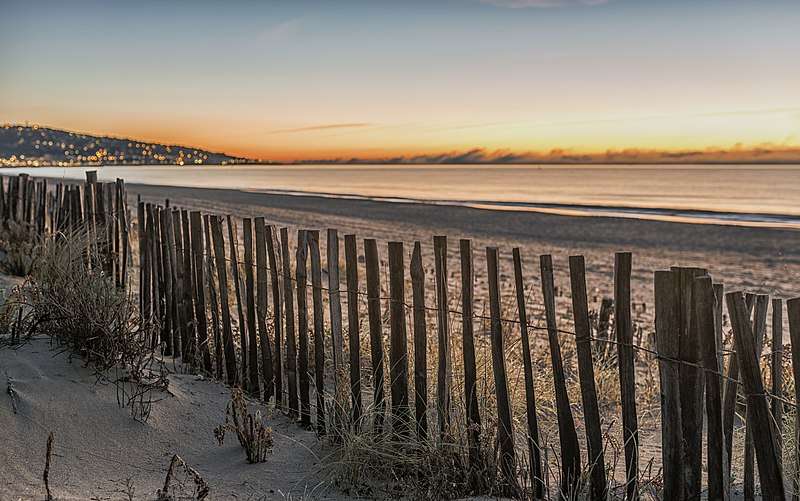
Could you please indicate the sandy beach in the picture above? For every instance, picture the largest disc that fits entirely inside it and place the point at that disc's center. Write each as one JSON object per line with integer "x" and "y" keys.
{"x": 754, "y": 259}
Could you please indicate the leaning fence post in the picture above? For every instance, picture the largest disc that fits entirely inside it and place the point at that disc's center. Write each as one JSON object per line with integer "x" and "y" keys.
{"x": 334, "y": 302}
{"x": 704, "y": 310}
{"x": 505, "y": 431}
{"x": 769, "y": 464}
{"x": 627, "y": 380}
{"x": 568, "y": 437}
{"x": 233, "y": 241}
{"x": 591, "y": 412}
{"x": 534, "y": 449}
{"x": 212, "y": 296}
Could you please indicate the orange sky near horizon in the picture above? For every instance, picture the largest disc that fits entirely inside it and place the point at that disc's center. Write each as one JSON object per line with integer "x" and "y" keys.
{"x": 310, "y": 81}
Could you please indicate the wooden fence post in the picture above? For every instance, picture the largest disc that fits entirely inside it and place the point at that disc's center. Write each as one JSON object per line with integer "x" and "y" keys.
{"x": 769, "y": 464}
{"x": 470, "y": 366}
{"x": 302, "y": 327}
{"x": 627, "y": 379}
{"x": 233, "y": 242}
{"x": 793, "y": 312}
{"x": 777, "y": 371}
{"x": 319, "y": 328}
{"x": 691, "y": 385}
{"x": 759, "y": 328}
{"x": 277, "y": 307}
{"x": 534, "y": 448}
{"x": 568, "y": 437}
{"x": 291, "y": 344}
{"x": 668, "y": 327}
{"x": 398, "y": 356}
{"x": 591, "y": 412}
{"x": 716, "y": 455}
{"x": 353, "y": 331}
{"x": 214, "y": 302}
{"x": 250, "y": 290}
{"x": 335, "y": 305}
{"x": 190, "y": 351}
{"x": 505, "y": 429}
{"x": 199, "y": 281}
{"x": 375, "y": 328}
{"x": 420, "y": 344}
{"x": 267, "y": 366}
{"x": 444, "y": 367}
{"x": 227, "y": 332}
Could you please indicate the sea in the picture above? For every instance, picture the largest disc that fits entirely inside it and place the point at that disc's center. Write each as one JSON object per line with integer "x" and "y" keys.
{"x": 745, "y": 195}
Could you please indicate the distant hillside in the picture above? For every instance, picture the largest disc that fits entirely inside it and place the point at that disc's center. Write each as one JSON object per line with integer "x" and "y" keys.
{"x": 40, "y": 146}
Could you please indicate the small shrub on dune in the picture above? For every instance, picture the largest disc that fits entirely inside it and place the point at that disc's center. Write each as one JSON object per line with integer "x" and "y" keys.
{"x": 249, "y": 428}
{"x": 18, "y": 245}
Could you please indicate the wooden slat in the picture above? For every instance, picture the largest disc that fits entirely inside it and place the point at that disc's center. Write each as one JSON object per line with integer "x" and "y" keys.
{"x": 591, "y": 411}
{"x": 444, "y": 366}
{"x": 291, "y": 343}
{"x": 335, "y": 303}
{"x": 568, "y": 437}
{"x": 398, "y": 342}
{"x": 769, "y": 464}
{"x": 277, "y": 308}
{"x": 213, "y": 301}
{"x": 793, "y": 312}
{"x": 267, "y": 365}
{"x": 505, "y": 430}
{"x": 420, "y": 344}
{"x": 375, "y": 329}
{"x": 302, "y": 327}
{"x": 319, "y": 328}
{"x": 222, "y": 275}
{"x": 627, "y": 379}
{"x": 777, "y": 371}
{"x": 667, "y": 301}
{"x": 759, "y": 328}
{"x": 534, "y": 446}
{"x": 198, "y": 254}
{"x": 233, "y": 243}
{"x": 470, "y": 366}
{"x": 250, "y": 303}
{"x": 353, "y": 330}
{"x": 716, "y": 455}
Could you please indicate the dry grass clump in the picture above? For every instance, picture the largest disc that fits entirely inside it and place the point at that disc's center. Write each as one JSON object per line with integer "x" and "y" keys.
{"x": 249, "y": 428}
{"x": 81, "y": 307}
{"x": 18, "y": 245}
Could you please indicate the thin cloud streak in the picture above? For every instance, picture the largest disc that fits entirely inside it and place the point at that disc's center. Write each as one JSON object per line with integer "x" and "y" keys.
{"x": 320, "y": 127}
{"x": 278, "y": 31}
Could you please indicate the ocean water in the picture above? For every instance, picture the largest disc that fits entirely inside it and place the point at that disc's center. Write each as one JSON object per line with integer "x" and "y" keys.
{"x": 750, "y": 195}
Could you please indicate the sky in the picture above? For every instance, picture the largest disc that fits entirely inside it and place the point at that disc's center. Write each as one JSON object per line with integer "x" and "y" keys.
{"x": 297, "y": 80}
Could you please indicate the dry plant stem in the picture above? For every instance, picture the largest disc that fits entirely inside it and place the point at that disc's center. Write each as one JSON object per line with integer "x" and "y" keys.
{"x": 201, "y": 487}
{"x": 46, "y": 474}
